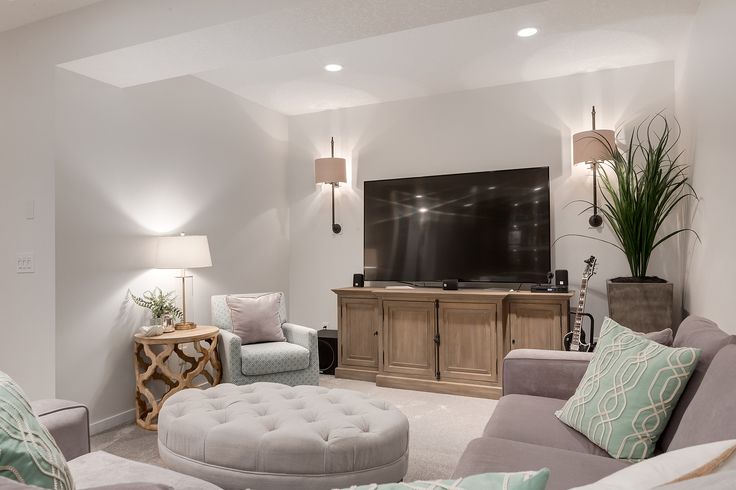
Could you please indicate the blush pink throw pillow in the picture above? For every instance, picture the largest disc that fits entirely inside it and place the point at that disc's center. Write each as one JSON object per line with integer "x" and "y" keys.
{"x": 256, "y": 319}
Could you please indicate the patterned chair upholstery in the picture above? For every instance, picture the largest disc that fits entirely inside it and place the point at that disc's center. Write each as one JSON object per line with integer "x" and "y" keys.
{"x": 294, "y": 362}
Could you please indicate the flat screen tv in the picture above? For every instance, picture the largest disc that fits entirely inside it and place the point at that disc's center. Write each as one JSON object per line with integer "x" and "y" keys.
{"x": 481, "y": 226}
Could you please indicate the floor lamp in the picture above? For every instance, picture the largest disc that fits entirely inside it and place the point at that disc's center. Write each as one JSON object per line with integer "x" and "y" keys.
{"x": 183, "y": 252}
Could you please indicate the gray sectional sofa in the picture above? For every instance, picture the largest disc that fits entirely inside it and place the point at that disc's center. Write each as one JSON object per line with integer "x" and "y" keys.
{"x": 524, "y": 434}
{"x": 68, "y": 423}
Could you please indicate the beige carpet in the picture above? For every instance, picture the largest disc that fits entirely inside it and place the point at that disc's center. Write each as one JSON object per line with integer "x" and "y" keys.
{"x": 440, "y": 428}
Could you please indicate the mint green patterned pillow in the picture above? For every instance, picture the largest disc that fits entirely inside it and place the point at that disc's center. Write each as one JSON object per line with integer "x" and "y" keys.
{"x": 28, "y": 453}
{"x": 629, "y": 390}
{"x": 524, "y": 480}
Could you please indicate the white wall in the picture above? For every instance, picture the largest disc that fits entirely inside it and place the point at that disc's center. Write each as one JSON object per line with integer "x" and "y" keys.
{"x": 159, "y": 159}
{"x": 28, "y": 57}
{"x": 706, "y": 103}
{"x": 520, "y": 125}
{"x": 26, "y": 176}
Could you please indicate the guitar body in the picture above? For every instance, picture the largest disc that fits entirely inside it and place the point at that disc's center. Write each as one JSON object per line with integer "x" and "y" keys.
{"x": 583, "y": 347}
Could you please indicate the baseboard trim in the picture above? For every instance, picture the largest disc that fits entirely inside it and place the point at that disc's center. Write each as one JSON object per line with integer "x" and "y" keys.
{"x": 123, "y": 418}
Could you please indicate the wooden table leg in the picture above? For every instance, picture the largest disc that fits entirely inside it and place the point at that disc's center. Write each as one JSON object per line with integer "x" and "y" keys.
{"x": 150, "y": 366}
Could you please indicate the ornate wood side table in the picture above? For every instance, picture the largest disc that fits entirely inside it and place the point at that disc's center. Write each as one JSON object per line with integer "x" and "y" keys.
{"x": 151, "y": 364}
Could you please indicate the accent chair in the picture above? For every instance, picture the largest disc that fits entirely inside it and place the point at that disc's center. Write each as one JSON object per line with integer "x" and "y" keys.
{"x": 294, "y": 362}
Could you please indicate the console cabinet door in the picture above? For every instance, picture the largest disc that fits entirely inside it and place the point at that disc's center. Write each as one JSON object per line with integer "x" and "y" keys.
{"x": 408, "y": 338}
{"x": 534, "y": 325}
{"x": 469, "y": 341}
{"x": 359, "y": 326}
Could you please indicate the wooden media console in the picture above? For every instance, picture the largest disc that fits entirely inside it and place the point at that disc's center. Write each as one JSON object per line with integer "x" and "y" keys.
{"x": 443, "y": 341}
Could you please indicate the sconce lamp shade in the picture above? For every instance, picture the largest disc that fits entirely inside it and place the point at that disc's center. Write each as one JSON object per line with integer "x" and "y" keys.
{"x": 183, "y": 252}
{"x": 330, "y": 170}
{"x": 593, "y": 146}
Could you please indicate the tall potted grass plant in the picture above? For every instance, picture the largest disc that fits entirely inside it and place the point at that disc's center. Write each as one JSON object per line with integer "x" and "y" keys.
{"x": 641, "y": 188}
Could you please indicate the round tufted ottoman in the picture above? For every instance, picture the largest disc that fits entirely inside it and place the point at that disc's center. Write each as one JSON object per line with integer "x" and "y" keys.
{"x": 273, "y": 436}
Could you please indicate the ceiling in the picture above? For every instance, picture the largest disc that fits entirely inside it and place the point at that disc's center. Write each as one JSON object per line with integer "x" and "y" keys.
{"x": 398, "y": 49}
{"x": 16, "y": 13}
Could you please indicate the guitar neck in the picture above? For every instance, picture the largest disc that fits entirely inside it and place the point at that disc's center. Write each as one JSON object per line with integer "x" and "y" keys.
{"x": 577, "y": 328}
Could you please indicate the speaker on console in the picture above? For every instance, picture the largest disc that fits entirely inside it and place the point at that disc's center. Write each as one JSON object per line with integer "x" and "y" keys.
{"x": 561, "y": 277}
{"x": 450, "y": 284}
{"x": 358, "y": 280}
{"x": 327, "y": 349}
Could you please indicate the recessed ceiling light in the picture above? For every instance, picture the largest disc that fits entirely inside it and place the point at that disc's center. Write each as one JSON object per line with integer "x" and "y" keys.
{"x": 527, "y": 32}
{"x": 423, "y": 210}
{"x": 333, "y": 67}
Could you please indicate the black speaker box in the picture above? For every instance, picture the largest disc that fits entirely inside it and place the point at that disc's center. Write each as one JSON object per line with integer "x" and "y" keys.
{"x": 450, "y": 284}
{"x": 358, "y": 280}
{"x": 327, "y": 349}
{"x": 561, "y": 277}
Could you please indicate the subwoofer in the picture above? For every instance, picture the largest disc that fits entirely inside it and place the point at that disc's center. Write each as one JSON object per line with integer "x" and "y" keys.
{"x": 327, "y": 348}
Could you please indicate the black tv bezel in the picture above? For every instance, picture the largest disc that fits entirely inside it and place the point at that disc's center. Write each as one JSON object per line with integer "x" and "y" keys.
{"x": 519, "y": 280}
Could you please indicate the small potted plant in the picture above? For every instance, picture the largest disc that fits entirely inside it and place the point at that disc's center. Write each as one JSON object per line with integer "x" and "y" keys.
{"x": 159, "y": 303}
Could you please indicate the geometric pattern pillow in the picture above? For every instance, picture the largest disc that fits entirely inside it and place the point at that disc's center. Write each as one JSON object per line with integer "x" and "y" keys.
{"x": 523, "y": 480}
{"x": 28, "y": 453}
{"x": 628, "y": 392}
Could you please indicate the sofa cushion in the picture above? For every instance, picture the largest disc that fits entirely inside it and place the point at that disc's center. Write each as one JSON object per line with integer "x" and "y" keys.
{"x": 99, "y": 469}
{"x": 628, "y": 392}
{"x": 710, "y": 415}
{"x": 705, "y": 335}
{"x": 273, "y": 357}
{"x": 567, "y": 468}
{"x": 522, "y": 480}
{"x": 663, "y": 337}
{"x": 681, "y": 465}
{"x": 6, "y": 484}
{"x": 532, "y": 419}
{"x": 28, "y": 453}
{"x": 256, "y": 319}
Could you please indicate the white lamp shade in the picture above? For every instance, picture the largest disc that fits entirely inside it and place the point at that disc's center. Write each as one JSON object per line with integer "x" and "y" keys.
{"x": 330, "y": 170}
{"x": 593, "y": 146}
{"x": 183, "y": 252}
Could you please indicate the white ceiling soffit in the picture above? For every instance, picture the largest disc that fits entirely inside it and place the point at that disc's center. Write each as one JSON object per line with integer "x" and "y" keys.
{"x": 16, "y": 13}
{"x": 398, "y": 49}
{"x": 575, "y": 36}
{"x": 301, "y": 26}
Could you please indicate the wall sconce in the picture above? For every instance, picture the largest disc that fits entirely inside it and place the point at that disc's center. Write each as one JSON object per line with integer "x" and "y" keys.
{"x": 331, "y": 171}
{"x": 593, "y": 147}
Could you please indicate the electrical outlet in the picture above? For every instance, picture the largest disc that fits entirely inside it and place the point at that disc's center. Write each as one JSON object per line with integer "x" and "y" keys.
{"x": 325, "y": 324}
{"x": 24, "y": 263}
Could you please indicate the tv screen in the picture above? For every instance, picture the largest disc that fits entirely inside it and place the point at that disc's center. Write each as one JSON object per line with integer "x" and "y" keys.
{"x": 481, "y": 226}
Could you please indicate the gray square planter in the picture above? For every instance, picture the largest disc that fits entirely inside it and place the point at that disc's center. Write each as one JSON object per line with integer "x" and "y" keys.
{"x": 643, "y": 307}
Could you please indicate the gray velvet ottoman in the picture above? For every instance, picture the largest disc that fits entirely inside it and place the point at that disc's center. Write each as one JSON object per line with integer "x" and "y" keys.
{"x": 272, "y": 436}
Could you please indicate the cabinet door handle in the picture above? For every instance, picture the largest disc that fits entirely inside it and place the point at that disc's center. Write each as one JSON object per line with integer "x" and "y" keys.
{"x": 375, "y": 333}
{"x": 513, "y": 341}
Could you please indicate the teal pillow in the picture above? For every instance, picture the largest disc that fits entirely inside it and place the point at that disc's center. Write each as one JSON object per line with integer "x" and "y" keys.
{"x": 524, "y": 480}
{"x": 628, "y": 392}
{"x": 28, "y": 453}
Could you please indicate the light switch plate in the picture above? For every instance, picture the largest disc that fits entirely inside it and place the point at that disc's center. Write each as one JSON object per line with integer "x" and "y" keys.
{"x": 24, "y": 263}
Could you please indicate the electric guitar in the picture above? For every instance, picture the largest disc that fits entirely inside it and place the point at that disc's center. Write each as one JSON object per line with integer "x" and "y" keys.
{"x": 575, "y": 339}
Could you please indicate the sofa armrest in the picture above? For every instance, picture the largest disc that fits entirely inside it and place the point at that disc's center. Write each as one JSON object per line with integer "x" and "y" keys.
{"x": 68, "y": 424}
{"x": 229, "y": 349}
{"x": 548, "y": 373}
